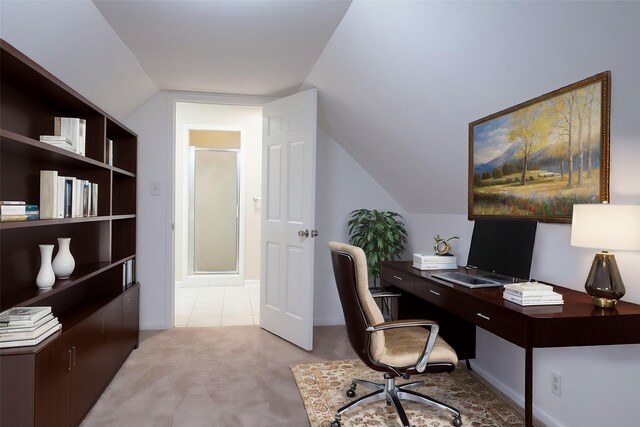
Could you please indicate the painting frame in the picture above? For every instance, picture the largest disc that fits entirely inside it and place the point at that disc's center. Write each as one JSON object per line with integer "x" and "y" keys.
{"x": 531, "y": 144}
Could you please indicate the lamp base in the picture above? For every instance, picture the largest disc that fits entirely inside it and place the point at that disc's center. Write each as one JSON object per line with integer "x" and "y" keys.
{"x": 604, "y": 282}
{"x": 604, "y": 302}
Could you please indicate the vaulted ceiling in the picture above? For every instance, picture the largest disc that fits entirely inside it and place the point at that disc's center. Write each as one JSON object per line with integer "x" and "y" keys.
{"x": 398, "y": 81}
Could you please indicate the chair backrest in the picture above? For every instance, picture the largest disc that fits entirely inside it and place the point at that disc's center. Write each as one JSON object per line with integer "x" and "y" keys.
{"x": 359, "y": 308}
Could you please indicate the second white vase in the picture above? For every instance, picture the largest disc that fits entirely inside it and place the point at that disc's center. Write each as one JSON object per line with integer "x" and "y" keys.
{"x": 63, "y": 263}
{"x": 46, "y": 278}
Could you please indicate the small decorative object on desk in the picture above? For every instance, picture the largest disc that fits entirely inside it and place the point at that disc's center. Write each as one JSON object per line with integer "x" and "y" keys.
{"x": 46, "y": 277}
{"x": 532, "y": 293}
{"x": 442, "y": 246}
{"x": 63, "y": 264}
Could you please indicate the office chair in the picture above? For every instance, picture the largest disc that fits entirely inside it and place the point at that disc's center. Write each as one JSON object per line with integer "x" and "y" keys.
{"x": 398, "y": 348}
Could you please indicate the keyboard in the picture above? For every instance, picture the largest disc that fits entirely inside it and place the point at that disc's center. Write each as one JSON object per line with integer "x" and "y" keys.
{"x": 467, "y": 280}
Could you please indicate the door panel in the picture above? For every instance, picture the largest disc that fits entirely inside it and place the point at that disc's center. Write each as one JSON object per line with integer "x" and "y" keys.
{"x": 289, "y": 149}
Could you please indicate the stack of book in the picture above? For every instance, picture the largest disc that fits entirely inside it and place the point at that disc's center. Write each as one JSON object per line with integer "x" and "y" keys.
{"x": 26, "y": 326}
{"x": 18, "y": 210}
{"x": 532, "y": 293}
{"x": 68, "y": 133}
{"x": 434, "y": 262}
{"x": 66, "y": 196}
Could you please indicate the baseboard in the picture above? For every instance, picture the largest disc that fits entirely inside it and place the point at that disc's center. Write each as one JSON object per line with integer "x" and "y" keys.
{"x": 252, "y": 282}
{"x": 328, "y": 321}
{"x": 540, "y": 417}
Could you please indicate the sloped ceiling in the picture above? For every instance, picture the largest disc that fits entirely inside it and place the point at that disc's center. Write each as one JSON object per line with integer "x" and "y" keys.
{"x": 241, "y": 47}
{"x": 399, "y": 82}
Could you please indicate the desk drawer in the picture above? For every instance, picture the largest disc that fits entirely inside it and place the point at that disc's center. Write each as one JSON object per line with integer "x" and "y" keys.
{"x": 399, "y": 279}
{"x": 440, "y": 296}
{"x": 502, "y": 322}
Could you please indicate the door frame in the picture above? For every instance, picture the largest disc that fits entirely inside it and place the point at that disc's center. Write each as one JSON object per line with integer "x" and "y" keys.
{"x": 170, "y": 170}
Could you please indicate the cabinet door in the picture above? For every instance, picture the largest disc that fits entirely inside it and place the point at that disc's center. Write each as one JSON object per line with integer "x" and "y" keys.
{"x": 85, "y": 367}
{"x": 111, "y": 341}
{"x": 131, "y": 321}
{"x": 53, "y": 366}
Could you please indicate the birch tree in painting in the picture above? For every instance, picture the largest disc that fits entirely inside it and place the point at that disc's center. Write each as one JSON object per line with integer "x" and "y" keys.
{"x": 529, "y": 128}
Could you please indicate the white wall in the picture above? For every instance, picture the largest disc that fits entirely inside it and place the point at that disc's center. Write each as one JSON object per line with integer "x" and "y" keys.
{"x": 73, "y": 41}
{"x": 342, "y": 185}
{"x": 154, "y": 242}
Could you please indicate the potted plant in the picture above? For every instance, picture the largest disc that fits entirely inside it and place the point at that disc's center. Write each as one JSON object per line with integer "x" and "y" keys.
{"x": 381, "y": 235}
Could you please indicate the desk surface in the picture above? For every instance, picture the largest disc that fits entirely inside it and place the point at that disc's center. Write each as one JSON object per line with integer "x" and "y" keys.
{"x": 577, "y": 322}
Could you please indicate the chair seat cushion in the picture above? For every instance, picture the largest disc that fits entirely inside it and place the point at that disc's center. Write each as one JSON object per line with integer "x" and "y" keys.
{"x": 403, "y": 347}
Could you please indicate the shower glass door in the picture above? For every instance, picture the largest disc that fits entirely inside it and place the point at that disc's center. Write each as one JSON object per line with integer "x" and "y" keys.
{"x": 214, "y": 211}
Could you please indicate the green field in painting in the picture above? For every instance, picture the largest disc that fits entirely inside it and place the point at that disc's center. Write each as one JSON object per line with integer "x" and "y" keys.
{"x": 542, "y": 196}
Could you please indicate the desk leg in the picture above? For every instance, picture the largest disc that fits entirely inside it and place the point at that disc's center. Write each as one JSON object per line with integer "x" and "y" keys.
{"x": 528, "y": 387}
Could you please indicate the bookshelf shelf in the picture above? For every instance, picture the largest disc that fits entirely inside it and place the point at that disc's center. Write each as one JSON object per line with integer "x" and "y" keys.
{"x": 99, "y": 316}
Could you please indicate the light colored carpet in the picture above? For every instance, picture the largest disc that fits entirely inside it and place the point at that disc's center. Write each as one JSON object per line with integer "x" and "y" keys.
{"x": 215, "y": 377}
{"x": 323, "y": 386}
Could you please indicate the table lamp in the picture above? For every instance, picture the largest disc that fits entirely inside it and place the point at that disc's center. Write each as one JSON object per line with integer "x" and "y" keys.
{"x": 606, "y": 227}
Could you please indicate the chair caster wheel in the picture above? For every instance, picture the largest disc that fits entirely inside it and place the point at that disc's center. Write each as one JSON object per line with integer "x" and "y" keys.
{"x": 457, "y": 422}
{"x": 335, "y": 423}
{"x": 352, "y": 391}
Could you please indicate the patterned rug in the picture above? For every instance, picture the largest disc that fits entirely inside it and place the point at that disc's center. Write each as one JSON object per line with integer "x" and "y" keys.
{"x": 323, "y": 386}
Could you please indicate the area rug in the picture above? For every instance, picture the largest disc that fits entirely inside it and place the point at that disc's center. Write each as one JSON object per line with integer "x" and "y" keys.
{"x": 323, "y": 386}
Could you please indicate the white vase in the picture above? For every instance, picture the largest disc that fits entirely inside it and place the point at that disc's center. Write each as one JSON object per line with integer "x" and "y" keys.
{"x": 63, "y": 263}
{"x": 46, "y": 278}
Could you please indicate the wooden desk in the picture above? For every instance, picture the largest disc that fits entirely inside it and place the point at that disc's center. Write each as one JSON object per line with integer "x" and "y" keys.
{"x": 459, "y": 309}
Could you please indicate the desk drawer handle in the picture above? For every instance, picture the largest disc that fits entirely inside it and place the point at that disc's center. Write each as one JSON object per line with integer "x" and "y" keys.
{"x": 483, "y": 316}
{"x": 434, "y": 292}
{"x": 396, "y": 277}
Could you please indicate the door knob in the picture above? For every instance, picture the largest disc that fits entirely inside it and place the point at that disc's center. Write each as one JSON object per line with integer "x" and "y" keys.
{"x": 303, "y": 233}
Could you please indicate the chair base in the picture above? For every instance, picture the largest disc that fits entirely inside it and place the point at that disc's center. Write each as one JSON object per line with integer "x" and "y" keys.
{"x": 392, "y": 393}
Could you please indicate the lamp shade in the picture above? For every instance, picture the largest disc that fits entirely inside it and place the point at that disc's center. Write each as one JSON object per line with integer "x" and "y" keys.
{"x": 607, "y": 227}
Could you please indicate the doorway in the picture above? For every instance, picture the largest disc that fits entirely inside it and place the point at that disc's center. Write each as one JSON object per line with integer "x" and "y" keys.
{"x": 217, "y": 214}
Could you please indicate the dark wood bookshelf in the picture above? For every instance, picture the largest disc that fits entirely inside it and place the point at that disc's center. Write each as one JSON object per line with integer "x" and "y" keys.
{"x": 57, "y": 381}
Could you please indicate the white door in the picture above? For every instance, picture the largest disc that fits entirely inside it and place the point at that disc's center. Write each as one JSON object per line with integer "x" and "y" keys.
{"x": 288, "y": 217}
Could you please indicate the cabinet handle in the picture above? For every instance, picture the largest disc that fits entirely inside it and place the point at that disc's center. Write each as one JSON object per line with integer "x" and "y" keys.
{"x": 483, "y": 316}
{"x": 396, "y": 277}
{"x": 69, "y": 359}
{"x": 73, "y": 356}
{"x": 434, "y": 292}
{"x": 128, "y": 305}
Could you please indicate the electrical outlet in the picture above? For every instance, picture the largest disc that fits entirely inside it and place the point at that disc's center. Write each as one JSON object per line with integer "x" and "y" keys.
{"x": 556, "y": 384}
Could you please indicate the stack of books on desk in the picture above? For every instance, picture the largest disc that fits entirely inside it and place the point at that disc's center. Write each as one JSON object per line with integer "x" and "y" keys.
{"x": 532, "y": 293}
{"x": 26, "y": 326}
{"x": 434, "y": 262}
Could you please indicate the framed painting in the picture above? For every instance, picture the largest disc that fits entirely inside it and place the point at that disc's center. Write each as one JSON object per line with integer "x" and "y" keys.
{"x": 537, "y": 159}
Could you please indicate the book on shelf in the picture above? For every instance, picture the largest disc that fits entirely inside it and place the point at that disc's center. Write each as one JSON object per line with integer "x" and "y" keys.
{"x": 24, "y": 314}
{"x": 15, "y": 335}
{"x": 23, "y": 209}
{"x": 94, "y": 199}
{"x": 16, "y": 218}
{"x": 12, "y": 202}
{"x": 48, "y": 194}
{"x": 58, "y": 141}
{"x": 6, "y": 327}
{"x": 532, "y": 288}
{"x": 108, "y": 152}
{"x": 552, "y": 299}
{"x": 430, "y": 258}
{"x": 75, "y": 129}
{"x": 31, "y": 342}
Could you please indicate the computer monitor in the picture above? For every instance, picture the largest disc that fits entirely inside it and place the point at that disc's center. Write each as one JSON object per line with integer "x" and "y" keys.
{"x": 503, "y": 247}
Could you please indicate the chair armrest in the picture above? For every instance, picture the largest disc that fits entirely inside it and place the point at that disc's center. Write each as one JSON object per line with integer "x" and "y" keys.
{"x": 386, "y": 294}
{"x": 428, "y": 347}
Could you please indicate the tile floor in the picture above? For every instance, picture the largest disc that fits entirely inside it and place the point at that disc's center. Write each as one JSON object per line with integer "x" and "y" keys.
{"x": 217, "y": 306}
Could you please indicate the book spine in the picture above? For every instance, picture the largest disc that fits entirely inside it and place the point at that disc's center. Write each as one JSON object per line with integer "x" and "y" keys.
{"x": 532, "y": 300}
{"x": 13, "y": 336}
{"x": 48, "y": 194}
{"x": 14, "y": 218}
{"x": 530, "y": 293}
{"x": 94, "y": 199}
{"x": 26, "y": 343}
{"x": 426, "y": 266}
{"x": 18, "y": 209}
